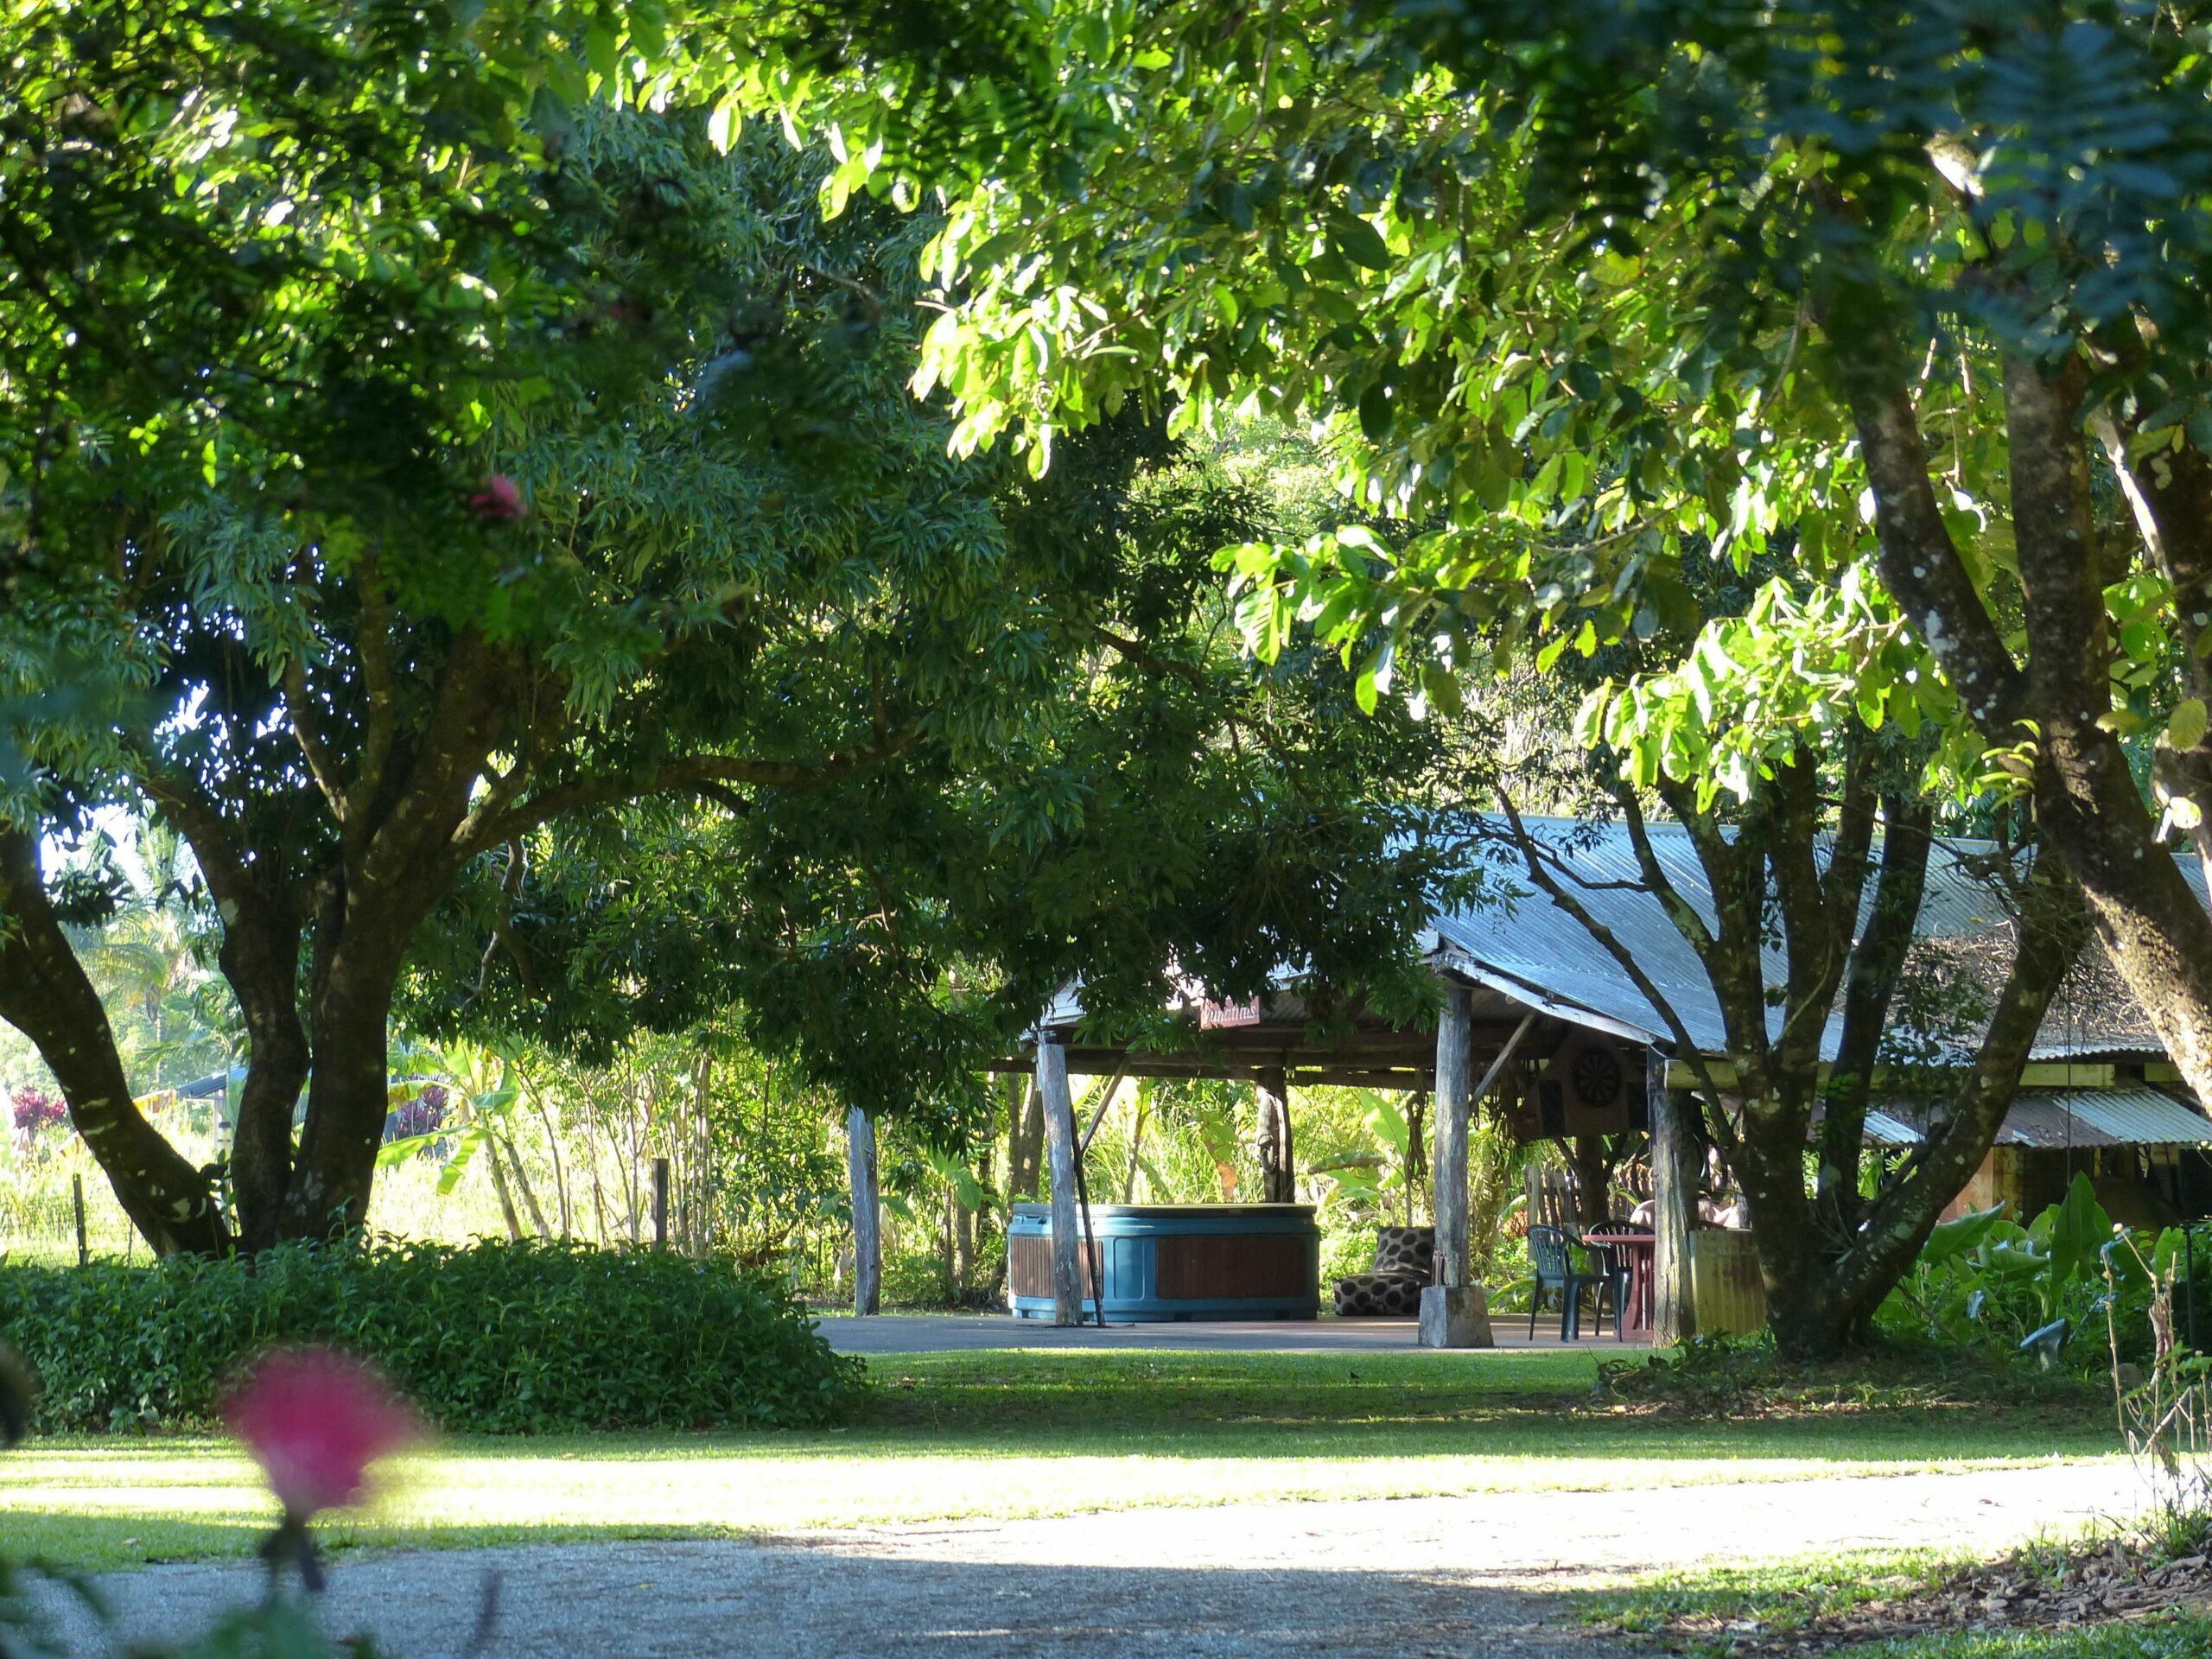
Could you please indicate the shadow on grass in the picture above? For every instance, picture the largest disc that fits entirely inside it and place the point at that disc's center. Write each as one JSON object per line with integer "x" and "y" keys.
{"x": 675, "y": 1600}
{"x": 1507, "y": 1405}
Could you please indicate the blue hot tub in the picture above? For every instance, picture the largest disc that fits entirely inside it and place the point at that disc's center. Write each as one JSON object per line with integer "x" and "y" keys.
{"x": 1162, "y": 1262}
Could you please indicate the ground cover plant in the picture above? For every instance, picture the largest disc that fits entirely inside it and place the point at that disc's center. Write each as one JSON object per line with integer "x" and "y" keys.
{"x": 1010, "y": 1436}
{"x": 2105, "y": 1597}
{"x": 489, "y": 1338}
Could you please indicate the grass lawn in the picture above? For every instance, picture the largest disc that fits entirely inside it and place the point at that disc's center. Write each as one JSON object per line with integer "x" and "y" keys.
{"x": 1000, "y": 1435}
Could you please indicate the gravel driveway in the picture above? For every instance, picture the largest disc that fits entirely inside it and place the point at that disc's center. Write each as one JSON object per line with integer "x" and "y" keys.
{"x": 1461, "y": 1576}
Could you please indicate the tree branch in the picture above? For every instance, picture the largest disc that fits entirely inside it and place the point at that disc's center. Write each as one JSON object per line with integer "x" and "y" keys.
{"x": 1686, "y": 1048}
{"x": 694, "y": 772}
{"x": 2050, "y": 936}
{"x": 300, "y": 707}
{"x": 1875, "y": 962}
{"x": 381, "y": 715}
{"x": 1920, "y": 564}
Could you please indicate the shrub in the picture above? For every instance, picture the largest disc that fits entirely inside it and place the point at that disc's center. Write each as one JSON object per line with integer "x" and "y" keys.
{"x": 1985, "y": 1280}
{"x": 491, "y": 1338}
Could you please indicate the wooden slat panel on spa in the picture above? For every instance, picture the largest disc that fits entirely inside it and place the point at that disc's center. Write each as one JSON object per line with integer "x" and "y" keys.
{"x": 1029, "y": 1266}
{"x": 1204, "y": 1267}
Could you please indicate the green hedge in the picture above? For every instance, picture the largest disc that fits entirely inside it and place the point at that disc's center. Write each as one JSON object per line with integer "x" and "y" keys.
{"x": 491, "y": 1338}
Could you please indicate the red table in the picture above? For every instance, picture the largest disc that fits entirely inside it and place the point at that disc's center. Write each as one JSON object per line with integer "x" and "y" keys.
{"x": 1639, "y": 1249}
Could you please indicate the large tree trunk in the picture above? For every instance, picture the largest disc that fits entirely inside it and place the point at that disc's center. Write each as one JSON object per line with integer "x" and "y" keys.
{"x": 1818, "y": 1298}
{"x": 348, "y": 1096}
{"x": 44, "y": 993}
{"x": 1820, "y": 1288}
{"x": 260, "y": 959}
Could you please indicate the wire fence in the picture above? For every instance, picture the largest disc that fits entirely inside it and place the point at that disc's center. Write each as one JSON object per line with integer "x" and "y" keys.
{"x": 63, "y": 1216}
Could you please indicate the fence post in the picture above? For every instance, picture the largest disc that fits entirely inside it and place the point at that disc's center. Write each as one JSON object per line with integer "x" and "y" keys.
{"x": 77, "y": 1200}
{"x": 660, "y": 1204}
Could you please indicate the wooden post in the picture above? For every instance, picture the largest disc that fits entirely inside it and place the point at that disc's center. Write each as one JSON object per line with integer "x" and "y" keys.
{"x": 1455, "y": 1036}
{"x": 1674, "y": 1190}
{"x": 77, "y": 1198}
{"x": 1059, "y": 1146}
{"x": 660, "y": 1204}
{"x": 1278, "y": 1171}
{"x": 867, "y": 1234}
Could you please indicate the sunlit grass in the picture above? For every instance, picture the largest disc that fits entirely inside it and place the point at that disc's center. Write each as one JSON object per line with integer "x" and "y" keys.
{"x": 1783, "y": 1595}
{"x": 1004, "y": 1436}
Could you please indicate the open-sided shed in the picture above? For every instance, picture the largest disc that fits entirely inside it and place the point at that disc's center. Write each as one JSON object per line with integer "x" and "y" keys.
{"x": 1520, "y": 978}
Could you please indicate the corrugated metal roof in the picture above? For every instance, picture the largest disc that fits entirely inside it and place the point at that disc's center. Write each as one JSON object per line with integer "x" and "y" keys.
{"x": 2139, "y": 1115}
{"x": 1525, "y": 937}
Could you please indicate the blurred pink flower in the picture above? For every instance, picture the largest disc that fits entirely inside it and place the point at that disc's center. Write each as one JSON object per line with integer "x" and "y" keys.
{"x": 316, "y": 1421}
{"x": 499, "y": 498}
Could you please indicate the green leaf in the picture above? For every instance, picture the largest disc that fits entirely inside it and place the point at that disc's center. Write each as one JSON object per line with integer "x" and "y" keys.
{"x": 464, "y": 1145}
{"x": 1374, "y": 676}
{"x": 1376, "y": 415}
{"x": 602, "y": 51}
{"x": 1952, "y": 1239}
{"x": 393, "y": 1154}
{"x": 2186, "y": 727}
{"x": 1357, "y": 240}
{"x": 724, "y": 125}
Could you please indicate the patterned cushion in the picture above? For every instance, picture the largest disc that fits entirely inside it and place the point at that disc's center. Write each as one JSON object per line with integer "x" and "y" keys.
{"x": 1380, "y": 1295}
{"x": 1405, "y": 1250}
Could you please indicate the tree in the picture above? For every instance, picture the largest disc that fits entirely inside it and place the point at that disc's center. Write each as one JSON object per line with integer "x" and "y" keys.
{"x": 577, "y": 471}
{"x": 1580, "y": 296}
{"x": 1163, "y": 807}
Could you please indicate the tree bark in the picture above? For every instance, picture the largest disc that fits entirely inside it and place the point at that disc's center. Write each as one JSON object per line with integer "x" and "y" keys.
{"x": 348, "y": 1096}
{"x": 2051, "y": 930}
{"x": 44, "y": 993}
{"x": 1876, "y": 963}
{"x": 260, "y": 960}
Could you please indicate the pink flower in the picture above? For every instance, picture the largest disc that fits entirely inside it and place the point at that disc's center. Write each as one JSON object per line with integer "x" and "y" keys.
{"x": 316, "y": 1421}
{"x": 498, "y": 500}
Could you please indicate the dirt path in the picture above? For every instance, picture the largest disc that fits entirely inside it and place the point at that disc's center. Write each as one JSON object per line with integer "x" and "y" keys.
{"x": 1459, "y": 1576}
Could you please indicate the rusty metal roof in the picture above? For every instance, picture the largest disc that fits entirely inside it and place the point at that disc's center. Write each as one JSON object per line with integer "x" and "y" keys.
{"x": 2135, "y": 1115}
